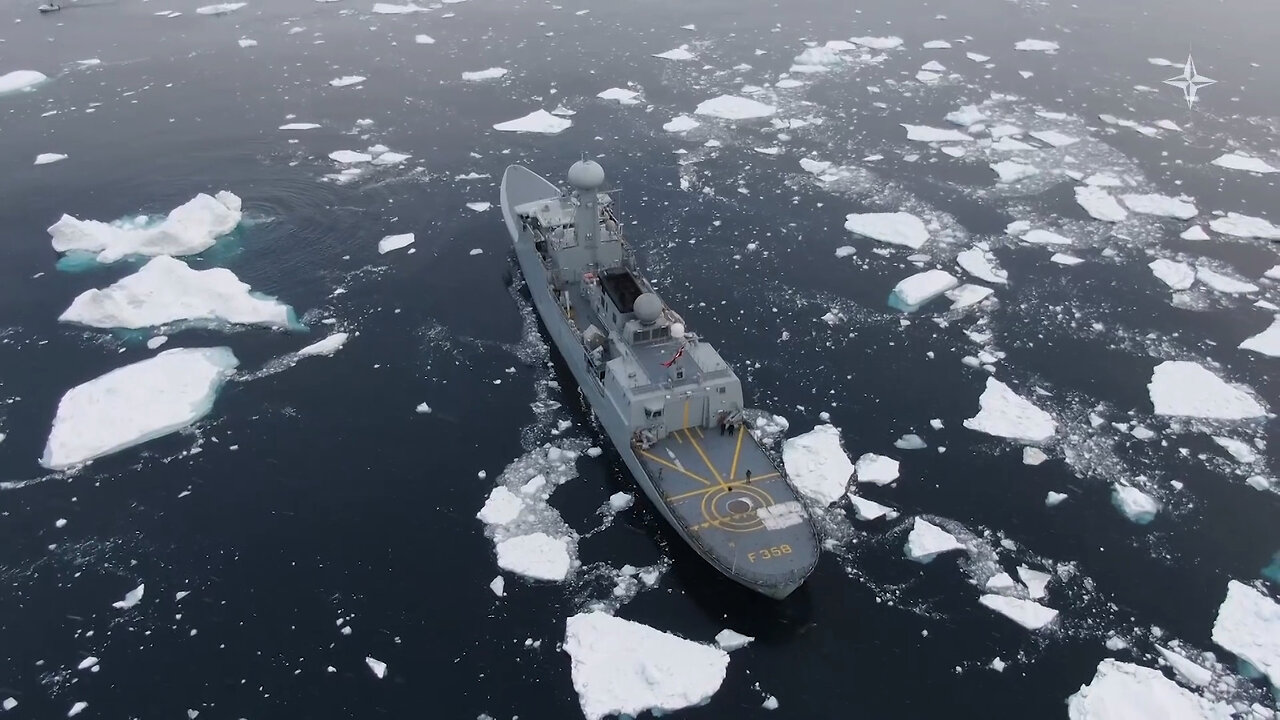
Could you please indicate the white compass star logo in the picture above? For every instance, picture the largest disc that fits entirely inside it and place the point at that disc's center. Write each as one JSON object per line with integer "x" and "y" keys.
{"x": 1190, "y": 81}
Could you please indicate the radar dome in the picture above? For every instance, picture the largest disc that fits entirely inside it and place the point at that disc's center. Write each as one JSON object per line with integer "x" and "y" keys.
{"x": 647, "y": 308}
{"x": 677, "y": 331}
{"x": 586, "y": 175}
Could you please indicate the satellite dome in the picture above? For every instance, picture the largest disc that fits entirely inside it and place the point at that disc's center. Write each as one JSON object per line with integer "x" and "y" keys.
{"x": 586, "y": 175}
{"x": 647, "y": 308}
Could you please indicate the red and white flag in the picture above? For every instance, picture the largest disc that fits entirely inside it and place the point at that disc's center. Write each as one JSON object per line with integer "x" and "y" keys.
{"x": 674, "y": 358}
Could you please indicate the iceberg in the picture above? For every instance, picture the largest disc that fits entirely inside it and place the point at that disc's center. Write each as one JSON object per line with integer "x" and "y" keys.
{"x": 136, "y": 403}
{"x": 1004, "y": 413}
{"x": 1248, "y": 626}
{"x": 1266, "y": 342}
{"x": 166, "y": 290}
{"x": 1124, "y": 691}
{"x": 1187, "y": 389}
{"x": 876, "y": 469}
{"x": 895, "y": 228}
{"x": 188, "y": 229}
{"x": 1029, "y": 615}
{"x": 732, "y": 107}
{"x": 623, "y": 668}
{"x": 817, "y": 464}
{"x": 927, "y": 541}
{"x": 913, "y": 292}
{"x": 538, "y": 121}
{"x": 21, "y": 80}
{"x": 537, "y": 555}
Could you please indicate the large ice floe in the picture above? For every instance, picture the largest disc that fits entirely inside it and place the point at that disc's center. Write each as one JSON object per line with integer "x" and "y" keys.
{"x": 1160, "y": 205}
{"x": 623, "y": 668}
{"x": 1028, "y": 614}
{"x": 1099, "y": 204}
{"x": 817, "y": 464}
{"x": 21, "y": 80}
{"x": 895, "y": 228}
{"x": 981, "y": 265}
{"x": 1245, "y": 226}
{"x": 1235, "y": 161}
{"x": 166, "y": 290}
{"x": 927, "y": 541}
{"x": 913, "y": 292}
{"x": 136, "y": 403}
{"x": 188, "y": 229}
{"x": 876, "y": 469}
{"x": 1124, "y": 691}
{"x": 1177, "y": 275}
{"x": 1187, "y": 389}
{"x": 530, "y": 538}
{"x": 733, "y": 107}
{"x": 1248, "y": 626}
{"x": 1266, "y": 342}
{"x": 538, "y": 121}
{"x": 1004, "y": 413}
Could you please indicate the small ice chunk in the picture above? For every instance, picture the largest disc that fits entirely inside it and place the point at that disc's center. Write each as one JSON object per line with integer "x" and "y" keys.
{"x": 167, "y": 290}
{"x": 1124, "y": 691}
{"x": 424, "y": 40}
{"x": 954, "y": 150}
{"x": 220, "y": 8}
{"x": 934, "y": 66}
{"x": 299, "y": 126}
{"x": 1186, "y": 669}
{"x": 1161, "y": 205}
{"x": 77, "y": 708}
{"x": 136, "y": 403}
{"x": 157, "y": 341}
{"x": 817, "y": 464}
{"x": 1045, "y": 237}
{"x": 1029, "y": 615}
{"x": 1241, "y": 451}
{"x": 349, "y": 157}
{"x": 1177, "y": 275}
{"x": 1064, "y": 259}
{"x": 1244, "y": 226}
{"x": 1054, "y": 138}
{"x": 1009, "y": 171}
{"x": 680, "y": 123}
{"x": 1248, "y": 626}
{"x": 925, "y": 133}
{"x": 865, "y": 509}
{"x": 498, "y": 585}
{"x": 1003, "y": 413}
{"x": 1000, "y": 582}
{"x": 392, "y": 9}
{"x": 624, "y": 668}
{"x": 378, "y": 667}
{"x": 1187, "y": 389}
{"x": 910, "y": 441}
{"x": 1035, "y": 581}
{"x": 770, "y": 703}
{"x": 1104, "y": 180}
{"x": 620, "y": 501}
{"x": 390, "y": 158}
{"x": 968, "y": 294}
{"x": 967, "y": 115}
{"x": 479, "y": 206}
{"x": 394, "y": 242}
{"x": 1224, "y": 283}
{"x": 21, "y": 80}
{"x": 927, "y": 541}
{"x": 87, "y": 663}
{"x": 876, "y": 469}
{"x": 501, "y": 507}
{"x": 46, "y": 158}
{"x": 537, "y": 555}
{"x": 877, "y": 43}
{"x": 729, "y": 640}
{"x": 1053, "y": 499}
{"x": 622, "y": 95}
{"x": 680, "y": 53}
{"x": 247, "y": 42}
{"x": 733, "y": 107}
{"x": 1134, "y": 504}
{"x": 1266, "y": 342}
{"x": 492, "y": 73}
{"x": 913, "y": 292}
{"x": 1235, "y": 161}
{"x": 1031, "y": 45}
{"x": 9, "y": 704}
{"x": 978, "y": 264}
{"x": 346, "y": 80}
{"x": 1195, "y": 232}
{"x": 896, "y": 228}
{"x": 422, "y": 409}
{"x": 936, "y": 45}
{"x": 1033, "y": 456}
{"x": 131, "y": 598}
{"x": 188, "y": 229}
{"x": 327, "y": 347}
{"x": 1099, "y": 204}
{"x": 538, "y": 121}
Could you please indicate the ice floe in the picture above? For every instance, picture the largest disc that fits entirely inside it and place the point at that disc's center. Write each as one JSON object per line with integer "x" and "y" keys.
{"x": 166, "y": 290}
{"x": 47, "y": 158}
{"x": 624, "y": 668}
{"x": 326, "y": 347}
{"x": 347, "y": 80}
{"x": 927, "y": 541}
{"x": 1004, "y": 413}
{"x": 913, "y": 292}
{"x": 1248, "y": 626}
{"x": 925, "y": 133}
{"x": 1053, "y": 499}
{"x": 1026, "y": 613}
{"x": 1124, "y": 691}
{"x": 77, "y": 708}
{"x": 1245, "y": 226}
{"x": 1054, "y": 138}
{"x": 188, "y": 229}
{"x": 131, "y": 598}
{"x": 817, "y": 464}
{"x": 394, "y": 242}
{"x": 1193, "y": 673}
{"x": 299, "y": 126}
{"x": 538, "y": 121}
{"x": 1033, "y": 456}
{"x": 621, "y": 95}
{"x": 729, "y": 640}
{"x": 876, "y": 469}
{"x": 963, "y": 296}
{"x": 1240, "y": 451}
{"x": 1010, "y": 171}
{"x": 733, "y": 107}
{"x": 877, "y": 43}
{"x": 538, "y": 556}
{"x": 247, "y": 42}
{"x": 867, "y": 510}
{"x": 1099, "y": 204}
{"x": 220, "y": 8}
{"x": 1064, "y": 259}
{"x": 545, "y": 546}
{"x": 680, "y": 123}
{"x": 1161, "y": 205}
{"x": 1195, "y": 232}
{"x": 136, "y": 403}
{"x": 349, "y": 157}
{"x": 1031, "y": 45}
{"x": 1235, "y": 161}
{"x": 378, "y": 667}
{"x": 1187, "y": 389}
{"x": 1177, "y": 275}
{"x": 1224, "y": 283}
{"x": 1134, "y": 504}
{"x": 680, "y": 53}
{"x": 981, "y": 265}
{"x": 1045, "y": 237}
{"x": 897, "y": 228}
{"x": 492, "y": 73}
{"x": 1266, "y": 342}
{"x": 1036, "y": 581}
{"x": 424, "y": 40}
{"x": 21, "y": 80}
{"x": 393, "y": 9}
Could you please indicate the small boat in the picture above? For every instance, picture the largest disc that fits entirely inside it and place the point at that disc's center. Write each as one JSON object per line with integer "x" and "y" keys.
{"x": 49, "y": 7}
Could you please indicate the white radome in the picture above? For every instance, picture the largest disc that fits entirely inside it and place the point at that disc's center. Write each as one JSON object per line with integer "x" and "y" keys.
{"x": 586, "y": 175}
{"x": 677, "y": 330}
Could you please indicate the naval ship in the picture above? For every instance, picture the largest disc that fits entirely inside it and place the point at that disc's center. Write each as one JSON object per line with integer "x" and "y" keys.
{"x": 671, "y": 406}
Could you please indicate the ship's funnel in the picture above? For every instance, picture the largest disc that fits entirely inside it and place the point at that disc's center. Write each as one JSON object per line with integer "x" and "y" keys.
{"x": 648, "y": 308}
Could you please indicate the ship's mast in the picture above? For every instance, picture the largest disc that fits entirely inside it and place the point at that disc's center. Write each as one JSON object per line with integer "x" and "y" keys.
{"x": 587, "y": 177}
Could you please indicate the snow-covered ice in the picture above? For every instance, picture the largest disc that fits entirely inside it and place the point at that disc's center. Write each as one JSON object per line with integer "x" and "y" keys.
{"x": 927, "y": 541}
{"x": 1134, "y": 504}
{"x": 1031, "y": 45}
{"x": 1040, "y": 236}
{"x": 896, "y": 228}
{"x": 1065, "y": 259}
{"x": 21, "y": 80}
{"x": 1266, "y": 342}
{"x": 299, "y": 126}
{"x": 131, "y": 598}
{"x": 1195, "y": 232}
{"x": 537, "y": 555}
{"x": 394, "y": 242}
{"x": 393, "y": 9}
{"x": 1241, "y": 451}
{"x": 498, "y": 586}
{"x": 729, "y": 640}
{"x": 967, "y": 115}
{"x": 492, "y": 73}
{"x": 925, "y": 133}
{"x": 1035, "y": 580}
{"x": 978, "y": 264}
{"x": 326, "y": 347}
{"x": 47, "y": 158}
{"x": 1029, "y": 615}
{"x": 620, "y": 501}
{"x": 963, "y": 296}
{"x": 620, "y": 667}
{"x": 220, "y": 8}
{"x": 913, "y": 292}
{"x": 538, "y": 121}
{"x": 1177, "y": 275}
{"x": 1189, "y": 671}
{"x": 136, "y": 403}
{"x": 188, "y": 229}
{"x": 1004, "y": 413}
{"x": 1010, "y": 171}
{"x": 1161, "y": 205}
{"x": 1033, "y": 456}
{"x": 817, "y": 464}
{"x": 1236, "y": 161}
{"x": 1053, "y": 499}
{"x": 733, "y": 107}
{"x": 378, "y": 667}
{"x": 876, "y": 469}
{"x": 1187, "y": 389}
{"x": 680, "y": 123}
{"x": 1224, "y": 283}
{"x": 622, "y": 95}
{"x": 167, "y": 290}
{"x": 1124, "y": 691}
{"x": 1099, "y": 204}
{"x": 1248, "y": 626}
{"x": 390, "y": 158}
{"x": 424, "y": 40}
{"x": 349, "y": 157}
{"x": 865, "y": 509}
{"x": 346, "y": 80}
{"x": 680, "y": 53}
{"x": 1245, "y": 226}
{"x": 1054, "y": 138}
{"x": 877, "y": 43}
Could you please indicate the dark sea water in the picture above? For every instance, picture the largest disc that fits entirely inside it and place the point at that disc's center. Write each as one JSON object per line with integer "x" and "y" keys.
{"x": 318, "y": 494}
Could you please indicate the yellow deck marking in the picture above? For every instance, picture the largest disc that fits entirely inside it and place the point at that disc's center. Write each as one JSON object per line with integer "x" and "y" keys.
{"x": 677, "y": 437}
{"x": 733, "y": 469}
{"x": 715, "y": 473}
{"x": 677, "y": 468}
{"x": 691, "y": 493}
{"x": 686, "y": 414}
{"x": 699, "y": 429}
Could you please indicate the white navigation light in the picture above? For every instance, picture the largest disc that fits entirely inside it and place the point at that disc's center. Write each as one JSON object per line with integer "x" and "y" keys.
{"x": 677, "y": 330}
{"x": 586, "y": 175}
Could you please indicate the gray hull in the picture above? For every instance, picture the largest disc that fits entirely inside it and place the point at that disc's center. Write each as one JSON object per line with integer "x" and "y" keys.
{"x": 703, "y": 513}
